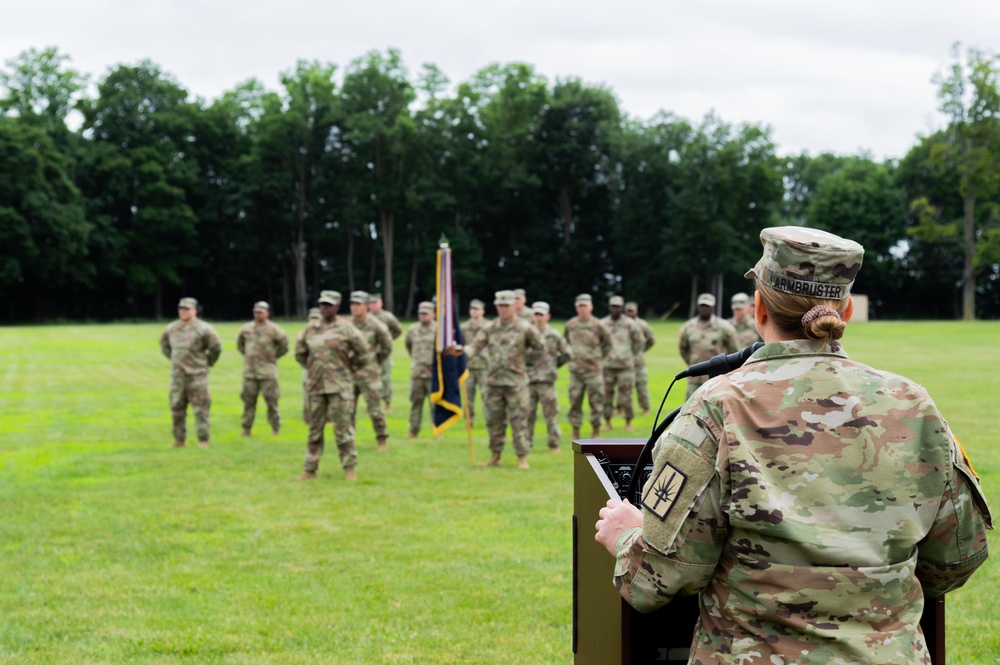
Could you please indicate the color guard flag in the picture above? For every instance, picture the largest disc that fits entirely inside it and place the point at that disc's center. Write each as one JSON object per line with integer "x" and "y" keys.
{"x": 450, "y": 371}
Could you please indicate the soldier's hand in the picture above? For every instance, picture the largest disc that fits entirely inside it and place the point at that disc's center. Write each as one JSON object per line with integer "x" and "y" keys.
{"x": 615, "y": 518}
{"x": 454, "y": 350}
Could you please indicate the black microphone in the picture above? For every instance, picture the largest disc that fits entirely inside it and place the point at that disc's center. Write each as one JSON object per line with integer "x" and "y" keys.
{"x": 720, "y": 364}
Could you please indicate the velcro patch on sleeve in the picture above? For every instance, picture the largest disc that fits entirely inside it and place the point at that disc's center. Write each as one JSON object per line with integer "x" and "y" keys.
{"x": 679, "y": 477}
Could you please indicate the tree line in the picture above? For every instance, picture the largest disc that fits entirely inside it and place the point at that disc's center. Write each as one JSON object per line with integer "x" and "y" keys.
{"x": 348, "y": 181}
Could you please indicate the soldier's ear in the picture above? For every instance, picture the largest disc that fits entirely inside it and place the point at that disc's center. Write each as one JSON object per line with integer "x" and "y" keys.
{"x": 849, "y": 312}
{"x": 759, "y": 309}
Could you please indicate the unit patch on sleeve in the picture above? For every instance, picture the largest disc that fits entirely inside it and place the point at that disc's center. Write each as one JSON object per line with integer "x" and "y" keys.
{"x": 662, "y": 492}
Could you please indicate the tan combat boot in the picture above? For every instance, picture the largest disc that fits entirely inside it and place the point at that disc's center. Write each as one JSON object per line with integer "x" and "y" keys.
{"x": 203, "y": 444}
{"x": 628, "y": 426}
{"x": 596, "y": 434}
{"x": 246, "y": 432}
{"x": 576, "y": 433}
{"x": 522, "y": 461}
{"x": 382, "y": 446}
{"x": 177, "y": 444}
{"x": 276, "y": 432}
{"x": 494, "y": 460}
{"x": 308, "y": 475}
{"x": 553, "y": 449}
{"x": 349, "y": 474}
{"x": 412, "y": 435}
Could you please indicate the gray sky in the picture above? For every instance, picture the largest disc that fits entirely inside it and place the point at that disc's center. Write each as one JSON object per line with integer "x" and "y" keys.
{"x": 841, "y": 77}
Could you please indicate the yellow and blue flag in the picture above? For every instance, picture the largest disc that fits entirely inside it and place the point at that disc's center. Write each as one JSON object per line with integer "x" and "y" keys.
{"x": 448, "y": 382}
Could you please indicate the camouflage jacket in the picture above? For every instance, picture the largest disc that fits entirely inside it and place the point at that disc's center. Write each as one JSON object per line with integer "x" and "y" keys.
{"x": 627, "y": 342}
{"x": 332, "y": 354}
{"x": 420, "y": 344}
{"x": 469, "y": 332}
{"x": 590, "y": 342}
{"x": 746, "y": 332}
{"x": 379, "y": 343}
{"x": 191, "y": 347}
{"x": 648, "y": 340}
{"x": 811, "y": 502}
{"x": 700, "y": 341}
{"x": 261, "y": 346}
{"x": 544, "y": 367}
{"x": 391, "y": 322}
{"x": 507, "y": 348}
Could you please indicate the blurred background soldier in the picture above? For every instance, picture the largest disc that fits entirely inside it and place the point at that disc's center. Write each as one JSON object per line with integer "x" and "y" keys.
{"x": 627, "y": 342}
{"x": 591, "y": 343}
{"x": 314, "y": 320}
{"x": 476, "y": 366}
{"x": 368, "y": 381}
{"x": 521, "y": 310}
{"x": 742, "y": 321}
{"x": 261, "y": 343}
{"x": 507, "y": 341}
{"x": 332, "y": 352}
{"x": 395, "y": 330}
{"x": 543, "y": 369}
{"x": 641, "y": 375}
{"x": 420, "y": 339}
{"x": 192, "y": 346}
{"x": 704, "y": 336}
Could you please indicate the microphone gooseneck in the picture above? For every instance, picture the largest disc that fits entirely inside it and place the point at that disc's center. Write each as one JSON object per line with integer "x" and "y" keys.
{"x": 720, "y": 364}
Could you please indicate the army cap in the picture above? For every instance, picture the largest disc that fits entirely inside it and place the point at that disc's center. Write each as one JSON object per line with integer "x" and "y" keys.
{"x": 476, "y": 303}
{"x": 631, "y": 307}
{"x": 584, "y": 299}
{"x": 519, "y": 293}
{"x": 706, "y": 299}
{"x": 261, "y": 306}
{"x": 314, "y": 313}
{"x": 540, "y": 307}
{"x": 503, "y": 298}
{"x": 329, "y": 297}
{"x": 359, "y": 297}
{"x": 807, "y": 262}
{"x": 374, "y": 297}
{"x": 187, "y": 303}
{"x": 740, "y": 300}
{"x": 425, "y": 307}
{"x": 616, "y": 300}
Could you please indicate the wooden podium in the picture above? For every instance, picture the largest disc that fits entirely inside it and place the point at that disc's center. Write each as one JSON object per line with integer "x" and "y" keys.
{"x": 605, "y": 628}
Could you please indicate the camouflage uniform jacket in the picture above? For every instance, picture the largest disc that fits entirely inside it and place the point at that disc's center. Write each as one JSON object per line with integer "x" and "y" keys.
{"x": 507, "y": 347}
{"x": 627, "y": 342}
{"x": 420, "y": 344}
{"x": 648, "y": 340}
{"x": 746, "y": 332}
{"x": 379, "y": 343}
{"x": 391, "y": 322}
{"x": 590, "y": 342}
{"x": 811, "y": 502}
{"x": 261, "y": 346}
{"x": 191, "y": 347}
{"x": 469, "y": 332}
{"x": 332, "y": 354}
{"x": 544, "y": 368}
{"x": 700, "y": 341}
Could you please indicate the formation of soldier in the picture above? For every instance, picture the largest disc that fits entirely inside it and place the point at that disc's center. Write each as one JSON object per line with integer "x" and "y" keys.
{"x": 704, "y": 336}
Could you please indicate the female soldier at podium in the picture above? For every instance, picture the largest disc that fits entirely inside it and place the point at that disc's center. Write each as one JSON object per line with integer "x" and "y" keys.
{"x": 811, "y": 501}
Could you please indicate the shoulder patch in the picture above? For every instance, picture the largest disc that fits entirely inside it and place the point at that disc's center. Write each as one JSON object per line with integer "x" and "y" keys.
{"x": 680, "y": 476}
{"x": 663, "y": 491}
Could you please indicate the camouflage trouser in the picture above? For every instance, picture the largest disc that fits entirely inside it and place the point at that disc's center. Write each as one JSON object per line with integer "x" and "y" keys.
{"x": 305, "y": 398}
{"x": 269, "y": 389}
{"x": 371, "y": 389}
{"x": 695, "y": 382}
{"x": 476, "y": 380}
{"x": 620, "y": 380}
{"x": 337, "y": 410}
{"x": 593, "y": 384}
{"x": 503, "y": 403}
{"x": 544, "y": 394}
{"x": 420, "y": 390}
{"x": 387, "y": 381}
{"x": 642, "y": 386}
{"x": 190, "y": 389}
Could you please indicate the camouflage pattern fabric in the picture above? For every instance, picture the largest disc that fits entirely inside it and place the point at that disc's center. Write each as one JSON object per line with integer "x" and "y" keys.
{"x": 420, "y": 341}
{"x": 420, "y": 391}
{"x": 544, "y": 394}
{"x": 811, "y": 502}
{"x": 476, "y": 380}
{"x": 192, "y": 348}
{"x": 368, "y": 382}
{"x": 746, "y": 332}
{"x": 591, "y": 343}
{"x": 190, "y": 389}
{"x": 618, "y": 385}
{"x": 641, "y": 375}
{"x": 544, "y": 367}
{"x": 700, "y": 341}
{"x": 469, "y": 332}
{"x": 590, "y": 384}
{"x": 330, "y": 408}
{"x": 507, "y": 403}
{"x": 269, "y": 390}
{"x": 261, "y": 345}
{"x": 395, "y": 330}
{"x": 627, "y": 342}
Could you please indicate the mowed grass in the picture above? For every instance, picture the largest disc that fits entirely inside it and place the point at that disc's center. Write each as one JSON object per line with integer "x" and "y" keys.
{"x": 115, "y": 548}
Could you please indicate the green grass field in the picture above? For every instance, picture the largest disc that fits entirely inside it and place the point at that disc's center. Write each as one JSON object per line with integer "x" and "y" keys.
{"x": 115, "y": 548}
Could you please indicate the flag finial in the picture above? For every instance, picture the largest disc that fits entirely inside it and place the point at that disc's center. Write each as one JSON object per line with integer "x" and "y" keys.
{"x": 443, "y": 242}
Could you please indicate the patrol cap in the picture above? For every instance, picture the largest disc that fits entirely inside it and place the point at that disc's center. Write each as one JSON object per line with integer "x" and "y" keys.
{"x": 706, "y": 299}
{"x": 616, "y": 300}
{"x": 540, "y": 307}
{"x": 476, "y": 303}
{"x": 504, "y": 298}
{"x": 187, "y": 303}
{"x": 373, "y": 297}
{"x": 314, "y": 313}
{"x": 329, "y": 297}
{"x": 584, "y": 299}
{"x": 359, "y": 297}
{"x": 631, "y": 307}
{"x": 261, "y": 306}
{"x": 425, "y": 307}
{"x": 807, "y": 262}
{"x": 740, "y": 300}
{"x": 519, "y": 293}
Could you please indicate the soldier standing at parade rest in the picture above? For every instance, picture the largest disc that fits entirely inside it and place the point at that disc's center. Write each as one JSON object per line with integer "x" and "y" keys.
{"x": 314, "y": 320}
{"x": 704, "y": 336}
{"x": 619, "y": 365}
{"x": 420, "y": 344}
{"x": 261, "y": 343}
{"x": 477, "y": 367}
{"x": 507, "y": 342}
{"x": 742, "y": 321}
{"x": 811, "y": 501}
{"x": 521, "y": 310}
{"x": 641, "y": 375}
{"x": 333, "y": 352}
{"x": 395, "y": 330}
{"x": 543, "y": 370}
{"x": 368, "y": 381}
{"x": 192, "y": 346}
{"x": 591, "y": 343}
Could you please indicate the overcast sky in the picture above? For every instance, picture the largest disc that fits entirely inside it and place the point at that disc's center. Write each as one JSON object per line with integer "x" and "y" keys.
{"x": 842, "y": 77}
